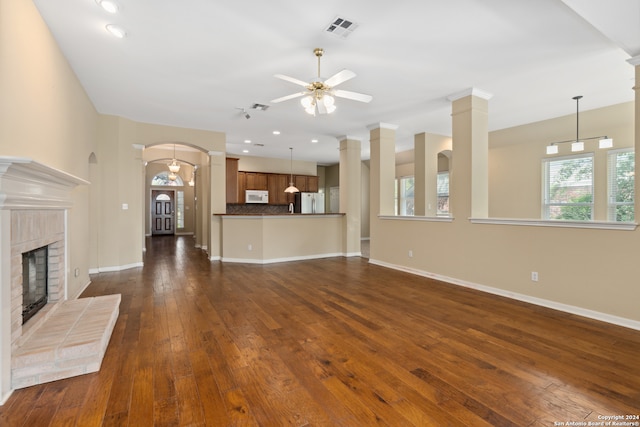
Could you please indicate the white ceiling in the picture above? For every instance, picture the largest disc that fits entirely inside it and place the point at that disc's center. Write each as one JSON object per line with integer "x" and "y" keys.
{"x": 192, "y": 63}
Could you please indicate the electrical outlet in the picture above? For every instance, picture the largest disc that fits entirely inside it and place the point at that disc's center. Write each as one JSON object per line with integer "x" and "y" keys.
{"x": 410, "y": 254}
{"x": 534, "y": 276}
{"x": 250, "y": 247}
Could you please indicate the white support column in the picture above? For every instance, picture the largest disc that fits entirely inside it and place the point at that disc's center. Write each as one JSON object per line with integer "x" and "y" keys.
{"x": 217, "y": 204}
{"x": 383, "y": 168}
{"x": 350, "y": 193}
{"x": 469, "y": 179}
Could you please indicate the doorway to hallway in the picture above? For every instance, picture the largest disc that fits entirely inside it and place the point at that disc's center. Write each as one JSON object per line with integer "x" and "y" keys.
{"x": 162, "y": 212}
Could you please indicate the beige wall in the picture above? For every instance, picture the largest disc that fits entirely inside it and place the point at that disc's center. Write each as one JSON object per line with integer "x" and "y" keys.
{"x": 46, "y": 115}
{"x": 516, "y": 154}
{"x": 270, "y": 165}
{"x": 122, "y": 176}
{"x": 593, "y": 271}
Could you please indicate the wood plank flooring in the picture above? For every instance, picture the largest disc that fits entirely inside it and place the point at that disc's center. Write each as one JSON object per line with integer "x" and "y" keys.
{"x": 332, "y": 342}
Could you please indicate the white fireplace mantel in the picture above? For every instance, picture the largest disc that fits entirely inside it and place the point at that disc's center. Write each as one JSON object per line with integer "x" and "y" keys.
{"x": 27, "y": 184}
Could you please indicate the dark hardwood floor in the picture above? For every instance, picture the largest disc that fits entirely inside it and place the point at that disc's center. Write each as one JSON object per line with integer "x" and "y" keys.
{"x": 332, "y": 342}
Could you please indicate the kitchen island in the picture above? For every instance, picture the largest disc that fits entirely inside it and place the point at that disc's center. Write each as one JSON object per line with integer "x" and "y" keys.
{"x": 266, "y": 238}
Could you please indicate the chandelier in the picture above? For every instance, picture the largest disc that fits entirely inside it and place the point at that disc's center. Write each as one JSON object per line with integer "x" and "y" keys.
{"x": 174, "y": 166}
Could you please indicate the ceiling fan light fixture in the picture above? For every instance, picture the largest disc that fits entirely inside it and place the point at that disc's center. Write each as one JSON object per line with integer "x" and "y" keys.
{"x": 328, "y": 101}
{"x": 307, "y": 102}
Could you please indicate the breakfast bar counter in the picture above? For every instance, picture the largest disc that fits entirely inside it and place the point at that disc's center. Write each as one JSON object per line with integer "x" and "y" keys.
{"x": 269, "y": 238}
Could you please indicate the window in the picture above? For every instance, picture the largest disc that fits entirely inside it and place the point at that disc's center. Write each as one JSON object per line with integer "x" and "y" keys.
{"x": 443, "y": 193}
{"x": 407, "y": 196}
{"x": 163, "y": 179}
{"x": 180, "y": 210}
{"x": 568, "y": 188}
{"x": 621, "y": 182}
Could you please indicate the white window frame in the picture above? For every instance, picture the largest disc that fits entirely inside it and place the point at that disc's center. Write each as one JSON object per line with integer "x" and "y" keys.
{"x": 439, "y": 195}
{"x": 612, "y": 184}
{"x": 179, "y": 209}
{"x": 406, "y": 204}
{"x": 547, "y": 205}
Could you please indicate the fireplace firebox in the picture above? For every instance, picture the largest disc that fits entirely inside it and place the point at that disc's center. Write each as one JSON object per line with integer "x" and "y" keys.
{"x": 35, "y": 268}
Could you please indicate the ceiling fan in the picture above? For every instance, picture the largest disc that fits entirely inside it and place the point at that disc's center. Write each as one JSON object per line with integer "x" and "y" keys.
{"x": 319, "y": 94}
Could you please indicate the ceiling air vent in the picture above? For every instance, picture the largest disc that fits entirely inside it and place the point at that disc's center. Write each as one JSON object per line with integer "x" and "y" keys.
{"x": 260, "y": 107}
{"x": 341, "y": 27}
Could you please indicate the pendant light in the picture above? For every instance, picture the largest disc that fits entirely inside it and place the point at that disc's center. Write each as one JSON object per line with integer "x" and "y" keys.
{"x": 174, "y": 166}
{"x": 291, "y": 188}
{"x": 578, "y": 144}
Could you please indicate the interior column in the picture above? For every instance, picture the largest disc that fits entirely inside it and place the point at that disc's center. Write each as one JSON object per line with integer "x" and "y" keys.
{"x": 217, "y": 202}
{"x": 469, "y": 176}
{"x": 350, "y": 189}
{"x": 383, "y": 168}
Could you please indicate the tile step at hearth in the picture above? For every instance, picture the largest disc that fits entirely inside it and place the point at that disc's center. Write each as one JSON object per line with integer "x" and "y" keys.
{"x": 71, "y": 342}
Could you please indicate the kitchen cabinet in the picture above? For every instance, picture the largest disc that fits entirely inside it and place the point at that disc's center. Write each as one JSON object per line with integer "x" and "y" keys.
{"x": 300, "y": 182}
{"x": 237, "y": 182}
{"x": 306, "y": 183}
{"x": 232, "y": 180}
{"x": 242, "y": 186}
{"x": 312, "y": 184}
{"x": 256, "y": 181}
{"x": 277, "y": 183}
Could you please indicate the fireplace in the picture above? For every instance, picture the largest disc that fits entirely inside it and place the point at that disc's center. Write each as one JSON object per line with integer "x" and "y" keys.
{"x": 34, "y": 201}
{"x": 35, "y": 269}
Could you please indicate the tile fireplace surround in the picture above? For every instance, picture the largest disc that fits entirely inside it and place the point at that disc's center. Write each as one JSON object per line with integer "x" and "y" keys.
{"x": 34, "y": 200}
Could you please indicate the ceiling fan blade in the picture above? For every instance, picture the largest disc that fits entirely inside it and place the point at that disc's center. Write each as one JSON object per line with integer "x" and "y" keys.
{"x": 285, "y": 98}
{"x": 340, "y": 77}
{"x": 352, "y": 95}
{"x": 291, "y": 80}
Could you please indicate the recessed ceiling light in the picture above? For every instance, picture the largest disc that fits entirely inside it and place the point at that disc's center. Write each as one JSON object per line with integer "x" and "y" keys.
{"x": 245, "y": 151}
{"x": 276, "y": 132}
{"x": 116, "y": 31}
{"x": 314, "y": 141}
{"x": 109, "y": 6}
{"x": 247, "y": 141}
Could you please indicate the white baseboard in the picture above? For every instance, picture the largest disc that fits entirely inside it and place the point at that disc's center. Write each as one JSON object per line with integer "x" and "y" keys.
{"x": 77, "y": 295}
{"x": 351, "y": 254}
{"x": 115, "y": 268}
{"x": 5, "y": 397}
{"x": 591, "y": 314}
{"x": 276, "y": 260}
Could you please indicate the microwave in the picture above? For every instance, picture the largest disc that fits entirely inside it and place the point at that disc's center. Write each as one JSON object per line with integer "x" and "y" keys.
{"x": 256, "y": 196}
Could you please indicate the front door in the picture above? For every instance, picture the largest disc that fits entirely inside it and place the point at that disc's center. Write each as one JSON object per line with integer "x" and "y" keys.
{"x": 162, "y": 212}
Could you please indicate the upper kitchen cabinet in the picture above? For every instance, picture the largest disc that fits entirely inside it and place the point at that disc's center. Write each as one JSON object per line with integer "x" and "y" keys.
{"x": 256, "y": 181}
{"x": 277, "y": 183}
{"x": 232, "y": 180}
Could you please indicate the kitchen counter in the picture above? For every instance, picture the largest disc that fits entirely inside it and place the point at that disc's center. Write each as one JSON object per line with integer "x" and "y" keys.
{"x": 269, "y": 238}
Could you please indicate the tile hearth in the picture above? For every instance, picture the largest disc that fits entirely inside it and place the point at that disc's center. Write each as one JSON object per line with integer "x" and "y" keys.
{"x": 72, "y": 342}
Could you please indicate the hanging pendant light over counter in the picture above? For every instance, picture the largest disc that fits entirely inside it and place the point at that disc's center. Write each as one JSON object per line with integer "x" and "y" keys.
{"x": 291, "y": 188}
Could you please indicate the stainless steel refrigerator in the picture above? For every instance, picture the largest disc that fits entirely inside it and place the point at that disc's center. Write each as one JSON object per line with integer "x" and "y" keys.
{"x": 309, "y": 203}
